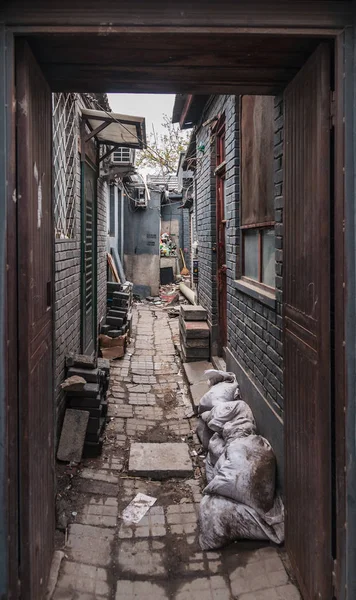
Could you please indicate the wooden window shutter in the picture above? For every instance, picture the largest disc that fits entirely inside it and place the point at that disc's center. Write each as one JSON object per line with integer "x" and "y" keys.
{"x": 257, "y": 169}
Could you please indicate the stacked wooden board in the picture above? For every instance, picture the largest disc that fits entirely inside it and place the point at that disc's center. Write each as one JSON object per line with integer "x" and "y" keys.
{"x": 194, "y": 333}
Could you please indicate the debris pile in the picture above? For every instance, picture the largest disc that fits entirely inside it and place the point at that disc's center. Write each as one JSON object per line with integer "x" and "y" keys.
{"x": 167, "y": 246}
{"x": 194, "y": 333}
{"x": 86, "y": 388}
{"x": 240, "y": 500}
{"x": 116, "y": 331}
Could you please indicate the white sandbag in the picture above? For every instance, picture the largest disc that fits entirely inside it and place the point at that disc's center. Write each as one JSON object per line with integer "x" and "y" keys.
{"x": 209, "y": 469}
{"x": 246, "y": 473}
{"x": 204, "y": 433}
{"x": 216, "y": 448}
{"x": 213, "y": 376}
{"x": 224, "y": 389}
{"x": 275, "y": 518}
{"x": 222, "y": 521}
{"x": 238, "y": 428}
{"x": 237, "y": 412}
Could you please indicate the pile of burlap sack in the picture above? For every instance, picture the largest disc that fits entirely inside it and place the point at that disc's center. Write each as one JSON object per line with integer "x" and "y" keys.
{"x": 240, "y": 500}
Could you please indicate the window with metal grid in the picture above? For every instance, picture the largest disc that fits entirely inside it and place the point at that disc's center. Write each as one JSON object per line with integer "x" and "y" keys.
{"x": 65, "y": 163}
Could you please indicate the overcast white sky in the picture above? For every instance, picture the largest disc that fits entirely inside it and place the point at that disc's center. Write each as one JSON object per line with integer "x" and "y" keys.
{"x": 150, "y": 106}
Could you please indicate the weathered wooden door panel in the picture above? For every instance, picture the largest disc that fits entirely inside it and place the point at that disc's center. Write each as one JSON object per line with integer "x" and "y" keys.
{"x": 307, "y": 326}
{"x": 35, "y": 313}
{"x": 89, "y": 185}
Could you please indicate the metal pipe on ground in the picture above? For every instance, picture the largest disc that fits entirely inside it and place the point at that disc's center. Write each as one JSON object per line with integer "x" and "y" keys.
{"x": 187, "y": 292}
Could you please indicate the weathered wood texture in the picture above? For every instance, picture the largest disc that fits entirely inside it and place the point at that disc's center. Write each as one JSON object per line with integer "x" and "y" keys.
{"x": 308, "y": 443}
{"x": 257, "y": 166}
{"x": 244, "y": 13}
{"x": 172, "y": 62}
{"x": 35, "y": 265}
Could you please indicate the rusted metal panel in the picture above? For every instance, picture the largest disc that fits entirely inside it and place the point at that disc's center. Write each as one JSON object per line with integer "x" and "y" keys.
{"x": 252, "y": 13}
{"x": 308, "y": 444}
{"x": 35, "y": 275}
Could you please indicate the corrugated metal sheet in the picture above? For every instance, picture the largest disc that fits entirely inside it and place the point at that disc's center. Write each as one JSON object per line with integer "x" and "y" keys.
{"x": 35, "y": 253}
{"x": 307, "y": 326}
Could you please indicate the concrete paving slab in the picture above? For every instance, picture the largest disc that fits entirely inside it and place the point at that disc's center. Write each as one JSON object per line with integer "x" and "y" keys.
{"x": 90, "y": 545}
{"x": 197, "y": 391}
{"x": 73, "y": 435}
{"x": 160, "y": 461}
{"x": 195, "y": 371}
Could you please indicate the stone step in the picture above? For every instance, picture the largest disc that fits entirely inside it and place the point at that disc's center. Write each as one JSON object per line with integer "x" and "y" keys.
{"x": 194, "y": 372}
{"x": 193, "y": 313}
{"x": 195, "y": 329}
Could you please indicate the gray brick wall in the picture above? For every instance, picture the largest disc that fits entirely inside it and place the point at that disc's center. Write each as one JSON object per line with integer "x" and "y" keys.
{"x": 254, "y": 329}
{"x": 205, "y": 218}
{"x": 67, "y": 287}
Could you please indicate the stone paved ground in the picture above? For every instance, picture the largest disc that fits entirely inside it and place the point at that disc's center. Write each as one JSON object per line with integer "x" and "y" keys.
{"x": 159, "y": 558}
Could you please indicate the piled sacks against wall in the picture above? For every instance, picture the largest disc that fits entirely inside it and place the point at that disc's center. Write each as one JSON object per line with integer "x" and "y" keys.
{"x": 240, "y": 500}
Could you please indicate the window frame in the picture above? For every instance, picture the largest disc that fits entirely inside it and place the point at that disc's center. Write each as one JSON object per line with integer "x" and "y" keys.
{"x": 260, "y": 229}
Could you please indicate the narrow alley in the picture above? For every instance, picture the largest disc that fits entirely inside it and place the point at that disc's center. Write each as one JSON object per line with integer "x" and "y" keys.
{"x": 159, "y": 558}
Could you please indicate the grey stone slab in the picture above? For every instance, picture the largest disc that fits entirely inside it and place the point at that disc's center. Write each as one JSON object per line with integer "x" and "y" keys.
{"x": 160, "y": 461}
{"x": 193, "y": 313}
{"x": 114, "y": 321}
{"x": 73, "y": 435}
{"x": 195, "y": 371}
{"x": 194, "y": 329}
{"x": 89, "y": 390}
{"x": 104, "y": 365}
{"x": 90, "y": 545}
{"x": 81, "y": 360}
{"x": 195, "y": 343}
{"x": 197, "y": 391}
{"x": 90, "y": 375}
{"x": 195, "y": 353}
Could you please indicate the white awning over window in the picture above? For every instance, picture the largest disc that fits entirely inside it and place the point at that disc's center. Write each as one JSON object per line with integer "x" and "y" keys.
{"x": 116, "y": 129}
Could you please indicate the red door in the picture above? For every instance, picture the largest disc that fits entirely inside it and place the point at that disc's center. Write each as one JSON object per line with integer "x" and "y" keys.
{"x": 35, "y": 314}
{"x": 220, "y": 234}
{"x": 308, "y": 440}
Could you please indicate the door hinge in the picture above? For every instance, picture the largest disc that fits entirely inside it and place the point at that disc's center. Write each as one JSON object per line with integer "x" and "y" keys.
{"x": 334, "y": 578}
{"x": 332, "y": 108}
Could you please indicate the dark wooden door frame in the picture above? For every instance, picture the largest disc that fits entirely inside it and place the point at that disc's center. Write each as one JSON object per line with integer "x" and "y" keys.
{"x": 11, "y": 317}
{"x": 339, "y": 287}
{"x": 221, "y": 279}
{"x": 35, "y": 247}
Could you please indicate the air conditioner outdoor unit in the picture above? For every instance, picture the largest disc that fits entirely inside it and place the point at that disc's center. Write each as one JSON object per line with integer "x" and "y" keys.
{"x": 123, "y": 156}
